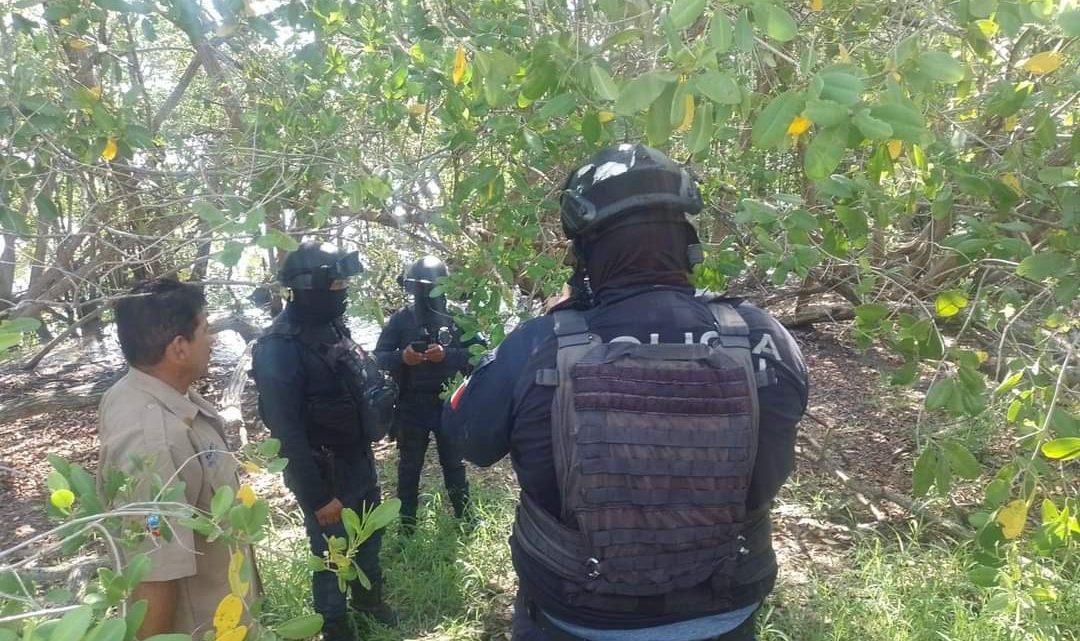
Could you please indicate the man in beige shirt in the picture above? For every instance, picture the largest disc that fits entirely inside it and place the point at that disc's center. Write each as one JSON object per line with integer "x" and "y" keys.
{"x": 153, "y": 427}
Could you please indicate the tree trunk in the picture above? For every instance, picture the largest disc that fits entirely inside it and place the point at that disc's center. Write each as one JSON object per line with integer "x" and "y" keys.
{"x": 7, "y": 272}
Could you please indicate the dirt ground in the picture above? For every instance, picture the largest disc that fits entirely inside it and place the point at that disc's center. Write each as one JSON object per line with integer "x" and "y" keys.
{"x": 870, "y": 429}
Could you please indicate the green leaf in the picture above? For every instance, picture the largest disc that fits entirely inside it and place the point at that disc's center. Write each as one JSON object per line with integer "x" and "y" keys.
{"x": 744, "y": 33}
{"x": 941, "y": 67}
{"x": 925, "y": 469}
{"x": 962, "y": 461}
{"x": 702, "y": 132}
{"x": 776, "y": 22}
{"x": 871, "y": 127}
{"x": 1062, "y": 449}
{"x": 558, "y": 106}
{"x": 73, "y": 625}
{"x": 983, "y": 576}
{"x": 603, "y": 83}
{"x": 658, "y": 122}
{"x": 720, "y": 87}
{"x": 754, "y": 211}
{"x": 1070, "y": 22}
{"x": 230, "y": 254}
{"x": 351, "y": 521}
{"x": 641, "y": 92}
{"x": 621, "y": 38}
{"x": 722, "y": 33}
{"x": 46, "y": 208}
{"x": 300, "y": 627}
{"x": 209, "y": 213}
{"x": 871, "y": 313}
{"x": 950, "y": 303}
{"x": 1009, "y": 383}
{"x": 222, "y": 501}
{"x": 907, "y": 124}
{"x": 108, "y": 630}
{"x": 383, "y": 515}
{"x": 826, "y": 113}
{"x": 135, "y": 615}
{"x": 56, "y": 481}
{"x": 840, "y": 86}
{"x": 686, "y": 12}
{"x": 1043, "y": 265}
{"x": 770, "y": 126}
{"x": 940, "y": 393}
{"x": 22, "y": 325}
{"x": 997, "y": 492}
{"x": 824, "y": 153}
{"x": 170, "y": 637}
{"x": 277, "y": 239}
{"x": 591, "y": 127}
{"x": 538, "y": 80}
{"x": 982, "y": 8}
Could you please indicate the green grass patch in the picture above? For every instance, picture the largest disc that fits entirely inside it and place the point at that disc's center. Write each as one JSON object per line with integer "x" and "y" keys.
{"x": 451, "y": 584}
{"x": 908, "y": 591}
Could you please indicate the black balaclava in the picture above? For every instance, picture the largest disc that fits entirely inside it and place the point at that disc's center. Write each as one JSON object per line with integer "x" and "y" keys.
{"x": 430, "y": 311}
{"x": 318, "y": 305}
{"x": 641, "y": 253}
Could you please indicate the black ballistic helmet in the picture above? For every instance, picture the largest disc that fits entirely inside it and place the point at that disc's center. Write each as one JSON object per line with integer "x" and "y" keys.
{"x": 426, "y": 271}
{"x": 623, "y": 182}
{"x": 316, "y": 265}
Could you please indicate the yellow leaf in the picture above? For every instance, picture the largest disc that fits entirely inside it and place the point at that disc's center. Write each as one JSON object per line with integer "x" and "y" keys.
{"x": 109, "y": 152}
{"x": 1012, "y": 518}
{"x": 1013, "y": 182}
{"x": 1043, "y": 63}
{"x": 95, "y": 92}
{"x": 817, "y": 5}
{"x": 799, "y": 126}
{"x": 982, "y": 356}
{"x": 417, "y": 109}
{"x": 228, "y": 614}
{"x": 896, "y": 147}
{"x": 845, "y": 55}
{"x": 78, "y": 44}
{"x": 606, "y": 116}
{"x": 246, "y": 495}
{"x": 688, "y": 114}
{"x": 896, "y": 76}
{"x": 1011, "y": 122}
{"x": 62, "y": 499}
{"x": 238, "y": 586}
{"x": 459, "y": 65}
{"x": 236, "y": 634}
{"x": 250, "y": 467}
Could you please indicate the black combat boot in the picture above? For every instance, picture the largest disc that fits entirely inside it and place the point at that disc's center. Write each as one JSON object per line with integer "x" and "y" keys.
{"x": 339, "y": 630}
{"x": 371, "y": 603}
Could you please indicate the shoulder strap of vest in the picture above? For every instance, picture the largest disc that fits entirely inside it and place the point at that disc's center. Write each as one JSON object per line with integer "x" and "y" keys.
{"x": 734, "y": 332}
{"x": 571, "y": 330}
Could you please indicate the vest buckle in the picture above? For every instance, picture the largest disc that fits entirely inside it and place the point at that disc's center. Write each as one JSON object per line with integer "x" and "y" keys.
{"x": 592, "y": 567}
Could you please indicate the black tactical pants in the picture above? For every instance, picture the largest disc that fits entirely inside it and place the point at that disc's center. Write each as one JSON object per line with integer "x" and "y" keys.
{"x": 351, "y": 475}
{"x": 417, "y": 418}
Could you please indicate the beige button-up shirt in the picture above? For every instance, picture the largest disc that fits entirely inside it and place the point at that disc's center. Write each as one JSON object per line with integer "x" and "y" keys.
{"x": 148, "y": 429}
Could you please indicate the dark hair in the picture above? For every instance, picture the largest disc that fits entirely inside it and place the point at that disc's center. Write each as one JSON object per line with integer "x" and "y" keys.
{"x": 153, "y": 314}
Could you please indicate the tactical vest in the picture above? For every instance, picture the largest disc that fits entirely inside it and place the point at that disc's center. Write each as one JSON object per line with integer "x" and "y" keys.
{"x": 367, "y": 409}
{"x": 654, "y": 448}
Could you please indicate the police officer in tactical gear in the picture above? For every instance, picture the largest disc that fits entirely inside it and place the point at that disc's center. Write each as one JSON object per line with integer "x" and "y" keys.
{"x": 306, "y": 402}
{"x": 421, "y": 347}
{"x": 649, "y": 428}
